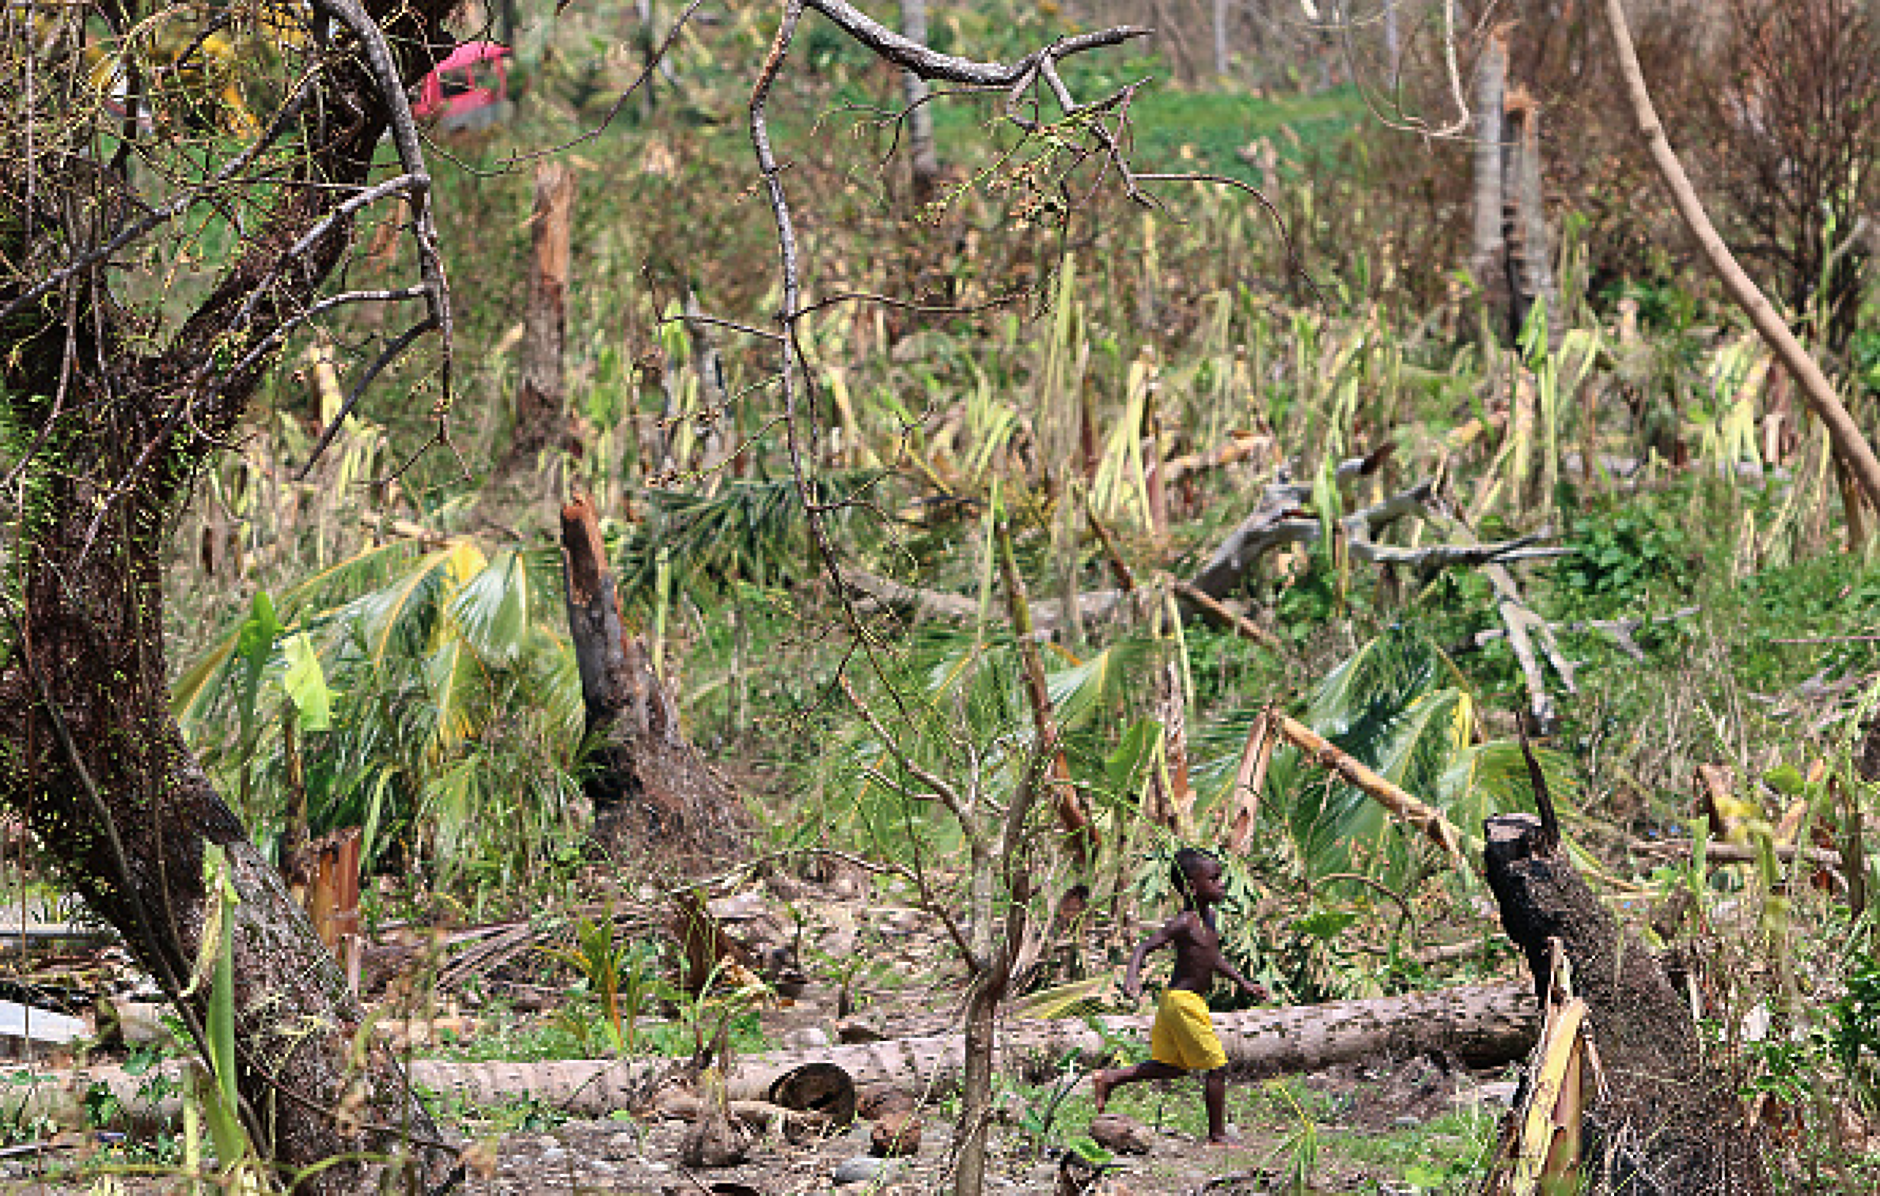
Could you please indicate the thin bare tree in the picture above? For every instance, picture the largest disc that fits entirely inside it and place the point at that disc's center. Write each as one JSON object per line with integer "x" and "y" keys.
{"x": 1850, "y": 444}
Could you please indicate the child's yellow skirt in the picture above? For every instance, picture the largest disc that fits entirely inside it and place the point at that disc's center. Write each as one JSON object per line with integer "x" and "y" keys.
{"x": 1184, "y": 1033}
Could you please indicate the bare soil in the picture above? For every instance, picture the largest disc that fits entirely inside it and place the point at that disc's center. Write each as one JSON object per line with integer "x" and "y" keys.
{"x": 877, "y": 965}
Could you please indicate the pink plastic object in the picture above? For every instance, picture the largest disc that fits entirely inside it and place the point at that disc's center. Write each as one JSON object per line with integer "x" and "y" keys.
{"x": 473, "y": 76}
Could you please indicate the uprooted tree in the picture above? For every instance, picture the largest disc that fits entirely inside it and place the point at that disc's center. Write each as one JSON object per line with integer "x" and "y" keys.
{"x": 132, "y": 126}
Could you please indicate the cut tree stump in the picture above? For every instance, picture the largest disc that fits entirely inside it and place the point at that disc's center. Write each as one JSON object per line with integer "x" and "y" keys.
{"x": 1667, "y": 1121}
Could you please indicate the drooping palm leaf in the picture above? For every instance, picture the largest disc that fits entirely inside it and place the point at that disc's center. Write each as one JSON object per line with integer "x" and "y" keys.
{"x": 456, "y": 679}
{"x": 1086, "y": 686}
{"x": 492, "y": 609}
{"x": 1398, "y": 705}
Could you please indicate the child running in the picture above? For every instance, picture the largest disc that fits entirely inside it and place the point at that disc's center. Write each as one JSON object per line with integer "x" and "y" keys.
{"x": 1183, "y": 1039}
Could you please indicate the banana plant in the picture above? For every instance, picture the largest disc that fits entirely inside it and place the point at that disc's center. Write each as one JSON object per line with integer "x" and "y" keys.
{"x": 437, "y": 706}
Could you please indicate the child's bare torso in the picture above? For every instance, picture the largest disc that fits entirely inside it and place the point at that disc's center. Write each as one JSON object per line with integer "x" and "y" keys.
{"x": 1197, "y": 947}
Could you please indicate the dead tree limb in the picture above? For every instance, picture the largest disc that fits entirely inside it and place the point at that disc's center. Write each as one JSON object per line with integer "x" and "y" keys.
{"x": 1850, "y": 445}
{"x": 1619, "y": 631}
{"x": 1239, "y": 447}
{"x": 1402, "y": 805}
{"x": 1281, "y": 518}
{"x": 1524, "y": 629}
{"x": 1284, "y": 517}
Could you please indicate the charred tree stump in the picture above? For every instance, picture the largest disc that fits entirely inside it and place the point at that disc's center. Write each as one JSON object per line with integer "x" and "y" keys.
{"x": 646, "y": 780}
{"x": 1667, "y": 1122}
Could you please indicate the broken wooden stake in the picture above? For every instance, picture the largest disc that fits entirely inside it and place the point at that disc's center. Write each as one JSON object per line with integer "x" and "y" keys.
{"x": 1402, "y": 805}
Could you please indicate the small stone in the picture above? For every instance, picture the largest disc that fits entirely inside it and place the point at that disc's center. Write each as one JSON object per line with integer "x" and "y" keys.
{"x": 902, "y": 923}
{"x": 859, "y": 1029}
{"x": 806, "y": 1038}
{"x": 860, "y": 1169}
{"x": 1121, "y": 1135}
{"x": 896, "y": 1136}
{"x": 620, "y": 1146}
{"x": 553, "y": 1154}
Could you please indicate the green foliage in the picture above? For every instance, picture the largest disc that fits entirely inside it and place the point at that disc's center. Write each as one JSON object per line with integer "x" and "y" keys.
{"x": 1625, "y": 555}
{"x": 1399, "y": 705}
{"x": 1854, "y": 1027}
{"x": 621, "y": 976}
{"x": 438, "y": 710}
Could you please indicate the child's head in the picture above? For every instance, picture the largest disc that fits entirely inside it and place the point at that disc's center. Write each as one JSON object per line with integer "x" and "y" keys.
{"x": 1196, "y": 873}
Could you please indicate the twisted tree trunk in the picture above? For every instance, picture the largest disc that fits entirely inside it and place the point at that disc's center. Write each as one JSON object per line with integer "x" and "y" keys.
{"x": 109, "y": 419}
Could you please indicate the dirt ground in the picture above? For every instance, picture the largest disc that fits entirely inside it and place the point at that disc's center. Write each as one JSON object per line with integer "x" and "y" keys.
{"x": 1359, "y": 1101}
{"x": 873, "y": 966}
{"x": 908, "y": 984}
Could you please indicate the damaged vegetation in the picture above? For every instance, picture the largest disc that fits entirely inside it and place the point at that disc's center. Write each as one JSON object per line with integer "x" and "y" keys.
{"x": 663, "y": 637}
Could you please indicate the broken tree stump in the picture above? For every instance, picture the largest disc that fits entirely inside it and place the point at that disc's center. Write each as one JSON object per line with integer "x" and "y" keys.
{"x": 1667, "y": 1121}
{"x": 650, "y": 786}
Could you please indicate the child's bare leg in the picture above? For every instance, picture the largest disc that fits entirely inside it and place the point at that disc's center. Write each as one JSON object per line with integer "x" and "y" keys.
{"x": 1105, "y": 1079}
{"x": 1214, "y": 1095}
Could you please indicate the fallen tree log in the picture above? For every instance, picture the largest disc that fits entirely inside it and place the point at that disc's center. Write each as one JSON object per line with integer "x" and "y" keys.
{"x": 1665, "y": 1120}
{"x": 1482, "y": 1024}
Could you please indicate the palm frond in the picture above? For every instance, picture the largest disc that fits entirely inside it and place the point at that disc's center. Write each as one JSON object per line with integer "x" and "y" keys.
{"x": 492, "y": 609}
{"x": 1083, "y": 688}
{"x": 454, "y": 678}
{"x": 1492, "y": 778}
{"x": 406, "y": 610}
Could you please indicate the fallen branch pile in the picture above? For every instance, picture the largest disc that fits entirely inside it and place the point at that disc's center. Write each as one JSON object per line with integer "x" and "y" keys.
{"x": 1285, "y": 516}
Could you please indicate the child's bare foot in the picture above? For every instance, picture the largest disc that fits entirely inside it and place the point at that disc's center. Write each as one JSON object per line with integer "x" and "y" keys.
{"x": 1100, "y": 1086}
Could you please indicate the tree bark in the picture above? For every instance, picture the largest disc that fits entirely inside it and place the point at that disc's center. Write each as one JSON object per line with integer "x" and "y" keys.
{"x": 109, "y": 427}
{"x": 923, "y": 156}
{"x": 1668, "y": 1121}
{"x": 646, "y": 780}
{"x": 1850, "y": 444}
{"x": 975, "y": 1123}
{"x": 541, "y": 398}
{"x": 1524, "y": 240}
{"x": 1485, "y": 243}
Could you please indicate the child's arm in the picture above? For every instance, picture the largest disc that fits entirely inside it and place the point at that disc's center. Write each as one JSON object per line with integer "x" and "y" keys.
{"x": 1132, "y": 979}
{"x": 1226, "y": 968}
